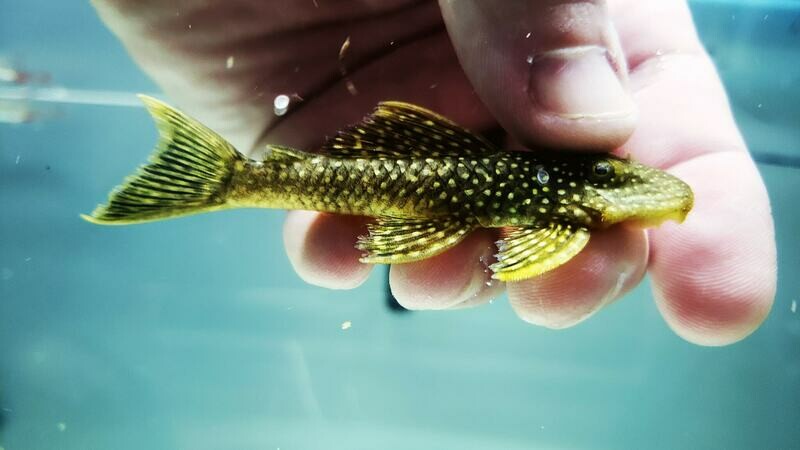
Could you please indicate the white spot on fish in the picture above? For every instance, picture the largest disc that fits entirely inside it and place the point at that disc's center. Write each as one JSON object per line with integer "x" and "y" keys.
{"x": 229, "y": 62}
{"x": 529, "y": 59}
{"x": 346, "y": 325}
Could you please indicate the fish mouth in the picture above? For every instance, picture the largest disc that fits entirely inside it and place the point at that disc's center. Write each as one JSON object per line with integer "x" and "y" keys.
{"x": 651, "y": 219}
{"x": 648, "y": 205}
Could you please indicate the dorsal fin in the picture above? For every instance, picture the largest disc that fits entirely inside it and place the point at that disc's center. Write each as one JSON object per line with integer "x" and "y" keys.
{"x": 398, "y": 130}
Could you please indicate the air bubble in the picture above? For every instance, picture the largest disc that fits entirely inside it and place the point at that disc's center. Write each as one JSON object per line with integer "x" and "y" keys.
{"x": 542, "y": 176}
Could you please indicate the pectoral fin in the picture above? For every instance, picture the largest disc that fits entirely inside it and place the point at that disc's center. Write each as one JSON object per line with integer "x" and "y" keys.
{"x": 392, "y": 240}
{"x": 528, "y": 252}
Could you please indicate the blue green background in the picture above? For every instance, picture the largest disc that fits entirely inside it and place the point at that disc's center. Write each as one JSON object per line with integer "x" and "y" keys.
{"x": 196, "y": 334}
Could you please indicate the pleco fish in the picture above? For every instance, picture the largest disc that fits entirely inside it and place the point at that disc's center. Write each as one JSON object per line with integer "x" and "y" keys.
{"x": 425, "y": 180}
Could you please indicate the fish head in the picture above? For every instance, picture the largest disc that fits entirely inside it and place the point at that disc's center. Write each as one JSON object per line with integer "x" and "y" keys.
{"x": 620, "y": 190}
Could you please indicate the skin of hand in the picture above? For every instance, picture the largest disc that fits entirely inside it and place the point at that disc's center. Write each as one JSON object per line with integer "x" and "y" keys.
{"x": 629, "y": 75}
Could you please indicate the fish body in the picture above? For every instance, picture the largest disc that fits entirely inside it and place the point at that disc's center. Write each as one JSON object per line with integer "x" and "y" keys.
{"x": 427, "y": 181}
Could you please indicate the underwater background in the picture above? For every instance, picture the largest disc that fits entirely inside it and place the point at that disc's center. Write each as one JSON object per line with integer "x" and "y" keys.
{"x": 197, "y": 333}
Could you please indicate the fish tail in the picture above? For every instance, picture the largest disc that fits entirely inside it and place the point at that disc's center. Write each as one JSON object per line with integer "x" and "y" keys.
{"x": 188, "y": 172}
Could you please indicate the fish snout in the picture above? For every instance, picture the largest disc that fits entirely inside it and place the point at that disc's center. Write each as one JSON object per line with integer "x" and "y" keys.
{"x": 652, "y": 200}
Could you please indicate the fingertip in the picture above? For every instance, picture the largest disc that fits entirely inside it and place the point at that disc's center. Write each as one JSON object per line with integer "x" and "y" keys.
{"x": 702, "y": 289}
{"x": 721, "y": 315}
{"x": 715, "y": 275}
{"x": 613, "y": 262}
{"x": 458, "y": 276}
{"x": 321, "y": 248}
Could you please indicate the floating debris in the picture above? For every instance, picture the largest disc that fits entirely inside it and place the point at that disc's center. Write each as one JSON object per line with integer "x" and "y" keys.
{"x": 343, "y": 49}
{"x": 61, "y": 426}
{"x": 281, "y": 104}
{"x": 793, "y": 308}
{"x": 346, "y": 325}
{"x": 229, "y": 62}
{"x": 351, "y": 88}
{"x": 529, "y": 59}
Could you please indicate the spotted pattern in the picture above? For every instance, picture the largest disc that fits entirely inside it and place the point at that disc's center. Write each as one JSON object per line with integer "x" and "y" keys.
{"x": 429, "y": 182}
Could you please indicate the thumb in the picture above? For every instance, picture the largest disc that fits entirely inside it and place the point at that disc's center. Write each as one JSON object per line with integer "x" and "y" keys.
{"x": 552, "y": 72}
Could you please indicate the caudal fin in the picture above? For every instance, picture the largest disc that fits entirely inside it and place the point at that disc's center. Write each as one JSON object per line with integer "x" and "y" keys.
{"x": 188, "y": 173}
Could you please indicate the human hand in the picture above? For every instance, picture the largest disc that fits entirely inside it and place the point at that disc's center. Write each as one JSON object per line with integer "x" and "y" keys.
{"x": 572, "y": 75}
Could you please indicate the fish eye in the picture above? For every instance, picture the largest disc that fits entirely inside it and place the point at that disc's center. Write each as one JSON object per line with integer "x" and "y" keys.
{"x": 603, "y": 169}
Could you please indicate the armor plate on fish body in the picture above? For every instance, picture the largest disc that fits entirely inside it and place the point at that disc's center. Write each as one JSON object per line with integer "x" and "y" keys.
{"x": 425, "y": 180}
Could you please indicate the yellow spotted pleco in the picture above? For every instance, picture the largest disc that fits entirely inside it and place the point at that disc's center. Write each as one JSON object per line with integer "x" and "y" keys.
{"x": 425, "y": 180}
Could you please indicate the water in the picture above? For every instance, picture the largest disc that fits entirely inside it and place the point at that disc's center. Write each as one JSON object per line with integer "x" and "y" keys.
{"x": 197, "y": 334}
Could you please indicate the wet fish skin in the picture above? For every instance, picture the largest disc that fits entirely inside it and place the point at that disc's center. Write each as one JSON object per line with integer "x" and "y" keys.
{"x": 499, "y": 189}
{"x": 427, "y": 181}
